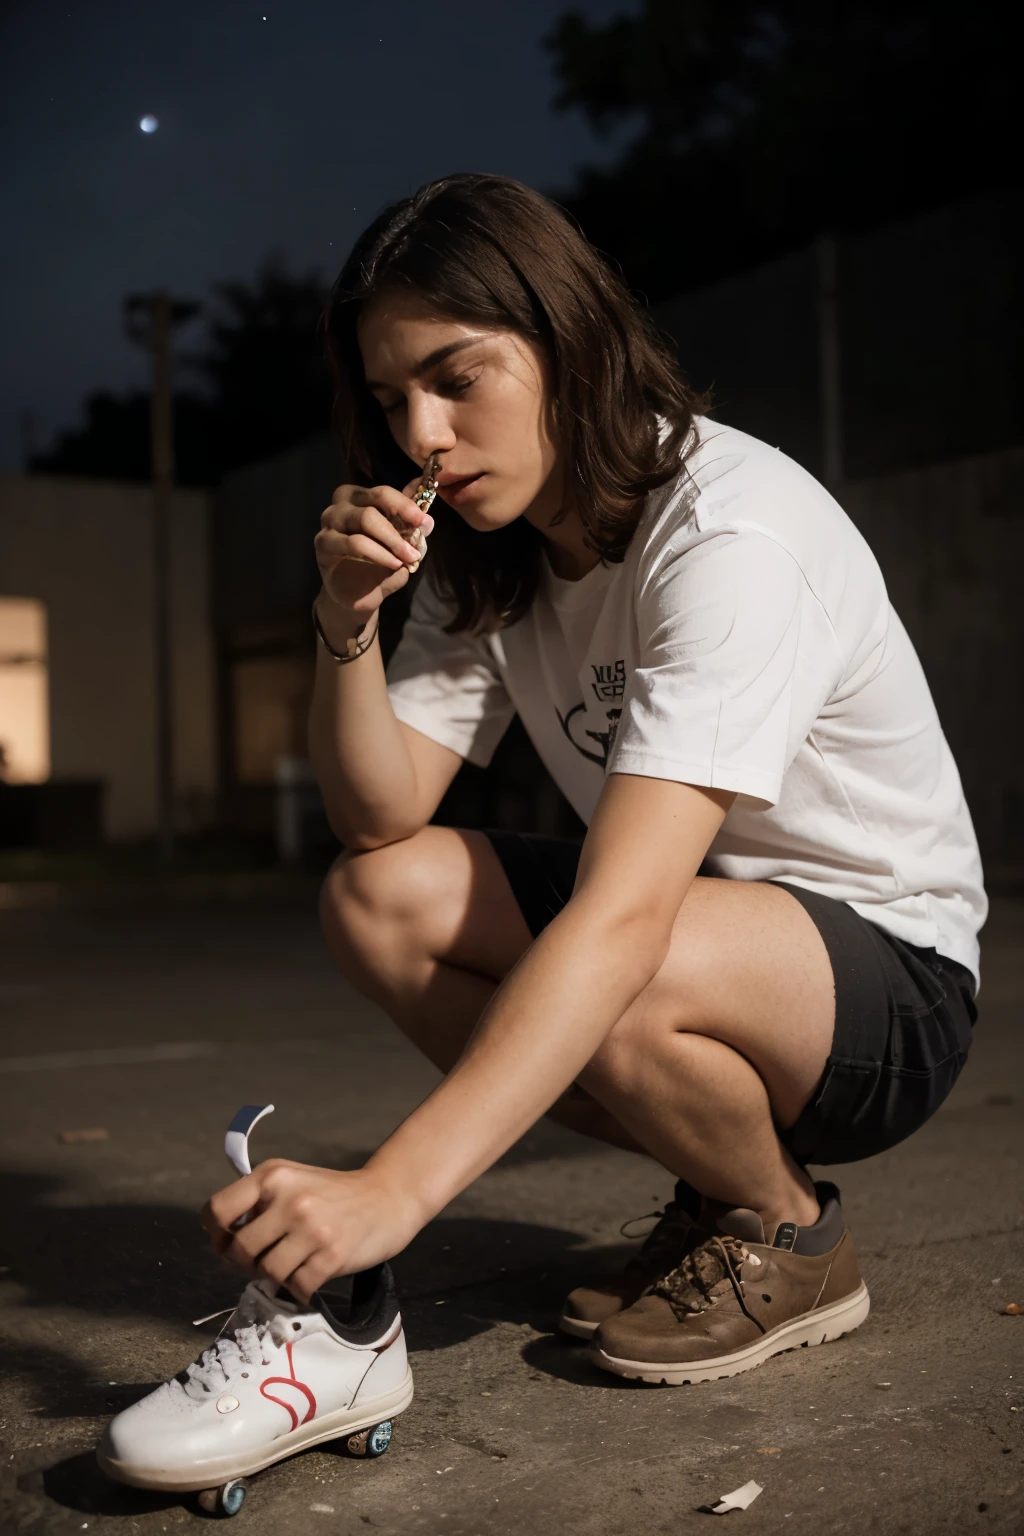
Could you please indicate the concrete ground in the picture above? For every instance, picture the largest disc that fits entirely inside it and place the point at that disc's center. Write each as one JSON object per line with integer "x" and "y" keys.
{"x": 155, "y": 1023}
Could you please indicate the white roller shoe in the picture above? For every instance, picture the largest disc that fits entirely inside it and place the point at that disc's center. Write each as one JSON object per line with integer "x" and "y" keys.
{"x": 281, "y": 1377}
{"x": 278, "y": 1378}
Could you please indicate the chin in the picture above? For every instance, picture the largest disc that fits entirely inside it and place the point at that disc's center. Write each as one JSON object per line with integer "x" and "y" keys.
{"x": 485, "y": 519}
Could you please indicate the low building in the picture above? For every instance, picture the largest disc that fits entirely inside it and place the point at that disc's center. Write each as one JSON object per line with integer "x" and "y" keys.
{"x": 77, "y": 647}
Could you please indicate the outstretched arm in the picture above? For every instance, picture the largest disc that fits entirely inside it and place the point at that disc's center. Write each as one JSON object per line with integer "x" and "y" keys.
{"x": 643, "y": 849}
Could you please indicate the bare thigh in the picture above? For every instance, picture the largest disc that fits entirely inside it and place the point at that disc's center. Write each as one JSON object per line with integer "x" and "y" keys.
{"x": 460, "y": 905}
{"x": 746, "y": 965}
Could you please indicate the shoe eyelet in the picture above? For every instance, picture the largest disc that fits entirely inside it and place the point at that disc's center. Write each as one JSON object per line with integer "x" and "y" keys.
{"x": 765, "y": 1296}
{"x": 296, "y": 1327}
{"x": 245, "y": 1375}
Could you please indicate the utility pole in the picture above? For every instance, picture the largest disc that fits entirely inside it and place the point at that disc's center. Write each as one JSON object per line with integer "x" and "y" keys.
{"x": 149, "y": 320}
{"x": 830, "y": 361}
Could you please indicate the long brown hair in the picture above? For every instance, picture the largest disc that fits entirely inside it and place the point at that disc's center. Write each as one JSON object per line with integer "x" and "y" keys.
{"x": 494, "y": 252}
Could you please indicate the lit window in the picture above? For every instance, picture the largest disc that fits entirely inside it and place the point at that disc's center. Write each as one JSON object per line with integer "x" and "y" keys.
{"x": 24, "y": 693}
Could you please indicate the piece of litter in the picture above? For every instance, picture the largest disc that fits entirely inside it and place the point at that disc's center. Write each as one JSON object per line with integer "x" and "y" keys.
{"x": 1013, "y": 1309}
{"x": 740, "y": 1498}
{"x": 90, "y": 1133}
{"x": 769, "y": 1450}
{"x": 883, "y": 1383}
{"x": 438, "y": 1303}
{"x": 321, "y": 1509}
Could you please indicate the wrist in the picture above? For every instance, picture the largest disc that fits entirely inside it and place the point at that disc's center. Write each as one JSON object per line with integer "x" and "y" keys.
{"x": 408, "y": 1202}
{"x": 339, "y": 624}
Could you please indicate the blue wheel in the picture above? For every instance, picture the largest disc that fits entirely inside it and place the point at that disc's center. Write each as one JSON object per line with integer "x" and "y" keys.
{"x": 231, "y": 1497}
{"x": 379, "y": 1438}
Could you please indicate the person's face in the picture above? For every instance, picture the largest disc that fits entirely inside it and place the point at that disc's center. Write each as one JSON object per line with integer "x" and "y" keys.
{"x": 477, "y": 398}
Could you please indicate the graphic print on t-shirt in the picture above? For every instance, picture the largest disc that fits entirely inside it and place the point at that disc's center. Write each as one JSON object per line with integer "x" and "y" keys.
{"x": 748, "y": 640}
{"x": 609, "y": 683}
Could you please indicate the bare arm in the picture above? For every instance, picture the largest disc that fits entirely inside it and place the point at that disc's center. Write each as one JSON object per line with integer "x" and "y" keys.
{"x": 545, "y": 1022}
{"x": 643, "y": 849}
{"x": 381, "y": 780}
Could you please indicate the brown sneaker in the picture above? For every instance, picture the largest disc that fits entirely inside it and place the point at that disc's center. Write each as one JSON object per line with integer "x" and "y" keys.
{"x": 596, "y": 1300}
{"x": 738, "y": 1298}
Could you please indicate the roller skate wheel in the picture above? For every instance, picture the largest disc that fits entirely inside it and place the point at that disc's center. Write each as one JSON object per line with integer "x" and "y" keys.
{"x": 371, "y": 1442}
{"x": 226, "y": 1500}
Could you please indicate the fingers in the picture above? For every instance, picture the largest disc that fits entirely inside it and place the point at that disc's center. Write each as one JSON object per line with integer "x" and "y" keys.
{"x": 251, "y": 1242}
{"x": 281, "y": 1262}
{"x": 386, "y": 499}
{"x": 309, "y": 1277}
{"x": 223, "y": 1209}
{"x": 332, "y": 546}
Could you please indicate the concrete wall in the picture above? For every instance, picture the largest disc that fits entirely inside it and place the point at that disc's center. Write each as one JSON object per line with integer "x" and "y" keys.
{"x": 931, "y": 341}
{"x": 85, "y": 549}
{"x": 950, "y": 541}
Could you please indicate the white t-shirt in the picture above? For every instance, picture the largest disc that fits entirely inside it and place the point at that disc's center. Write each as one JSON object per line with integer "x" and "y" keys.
{"x": 746, "y": 643}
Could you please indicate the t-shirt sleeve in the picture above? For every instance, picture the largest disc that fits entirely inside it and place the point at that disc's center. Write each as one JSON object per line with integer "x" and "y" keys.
{"x": 448, "y": 687}
{"x": 735, "y": 665}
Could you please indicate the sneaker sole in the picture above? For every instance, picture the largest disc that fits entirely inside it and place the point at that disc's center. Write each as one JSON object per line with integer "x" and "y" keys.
{"x": 577, "y": 1327}
{"x": 211, "y": 1474}
{"x": 818, "y": 1327}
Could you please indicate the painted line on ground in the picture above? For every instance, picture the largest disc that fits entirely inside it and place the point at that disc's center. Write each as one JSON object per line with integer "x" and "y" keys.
{"x": 142, "y": 1055}
{"x": 115, "y": 1056}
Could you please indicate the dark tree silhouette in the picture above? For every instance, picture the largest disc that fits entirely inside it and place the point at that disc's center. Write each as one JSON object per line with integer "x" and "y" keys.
{"x": 113, "y": 443}
{"x": 263, "y": 363}
{"x": 266, "y": 389}
{"x": 760, "y": 124}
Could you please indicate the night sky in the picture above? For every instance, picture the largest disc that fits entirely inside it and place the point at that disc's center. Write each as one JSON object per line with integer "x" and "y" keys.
{"x": 279, "y": 134}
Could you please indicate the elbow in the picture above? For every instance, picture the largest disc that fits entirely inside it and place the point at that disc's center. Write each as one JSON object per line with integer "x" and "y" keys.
{"x": 639, "y": 937}
{"x": 368, "y": 841}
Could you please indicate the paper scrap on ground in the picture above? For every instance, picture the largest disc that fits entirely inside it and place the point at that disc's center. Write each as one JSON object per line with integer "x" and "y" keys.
{"x": 91, "y": 1133}
{"x": 740, "y": 1498}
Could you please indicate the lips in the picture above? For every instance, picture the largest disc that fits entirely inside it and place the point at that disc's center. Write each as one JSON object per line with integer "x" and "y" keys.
{"x": 446, "y": 478}
{"x": 452, "y": 486}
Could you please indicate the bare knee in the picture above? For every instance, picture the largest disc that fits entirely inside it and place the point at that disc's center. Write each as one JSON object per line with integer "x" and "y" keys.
{"x": 635, "y": 1051}
{"x": 374, "y": 908}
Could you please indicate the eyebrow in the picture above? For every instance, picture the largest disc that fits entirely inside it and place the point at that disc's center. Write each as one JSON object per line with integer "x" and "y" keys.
{"x": 431, "y": 360}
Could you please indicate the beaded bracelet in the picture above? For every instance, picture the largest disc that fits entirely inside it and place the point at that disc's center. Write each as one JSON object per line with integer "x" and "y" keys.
{"x": 354, "y": 647}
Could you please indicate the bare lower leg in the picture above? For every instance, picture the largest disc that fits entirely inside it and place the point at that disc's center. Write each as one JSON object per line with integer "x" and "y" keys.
{"x": 436, "y": 1005}
{"x": 704, "y": 1115}
{"x": 701, "y": 1110}
{"x": 432, "y": 958}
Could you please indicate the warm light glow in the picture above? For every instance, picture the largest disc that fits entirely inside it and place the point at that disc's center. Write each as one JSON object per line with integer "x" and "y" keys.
{"x": 24, "y": 692}
{"x": 271, "y": 703}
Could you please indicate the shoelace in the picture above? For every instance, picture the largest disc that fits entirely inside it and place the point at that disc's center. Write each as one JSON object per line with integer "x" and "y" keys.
{"x": 703, "y": 1276}
{"x": 665, "y": 1238}
{"x": 227, "y": 1354}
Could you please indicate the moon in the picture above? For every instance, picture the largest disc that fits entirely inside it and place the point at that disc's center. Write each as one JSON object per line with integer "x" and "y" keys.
{"x": 149, "y": 124}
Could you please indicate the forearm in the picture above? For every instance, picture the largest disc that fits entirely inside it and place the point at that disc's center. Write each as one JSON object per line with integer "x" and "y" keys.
{"x": 356, "y": 745}
{"x": 541, "y": 1028}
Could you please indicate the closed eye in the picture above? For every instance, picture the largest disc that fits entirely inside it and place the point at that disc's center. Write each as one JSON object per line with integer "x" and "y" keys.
{"x": 448, "y": 387}
{"x": 456, "y": 386}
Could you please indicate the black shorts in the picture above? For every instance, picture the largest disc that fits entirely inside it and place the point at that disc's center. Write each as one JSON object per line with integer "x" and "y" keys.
{"x": 904, "y": 1016}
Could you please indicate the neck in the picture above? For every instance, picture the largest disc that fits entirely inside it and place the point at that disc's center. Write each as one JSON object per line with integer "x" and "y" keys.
{"x": 564, "y": 543}
{"x": 568, "y": 554}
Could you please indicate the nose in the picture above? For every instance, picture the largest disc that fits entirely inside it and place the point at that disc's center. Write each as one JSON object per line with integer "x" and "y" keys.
{"x": 428, "y": 425}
